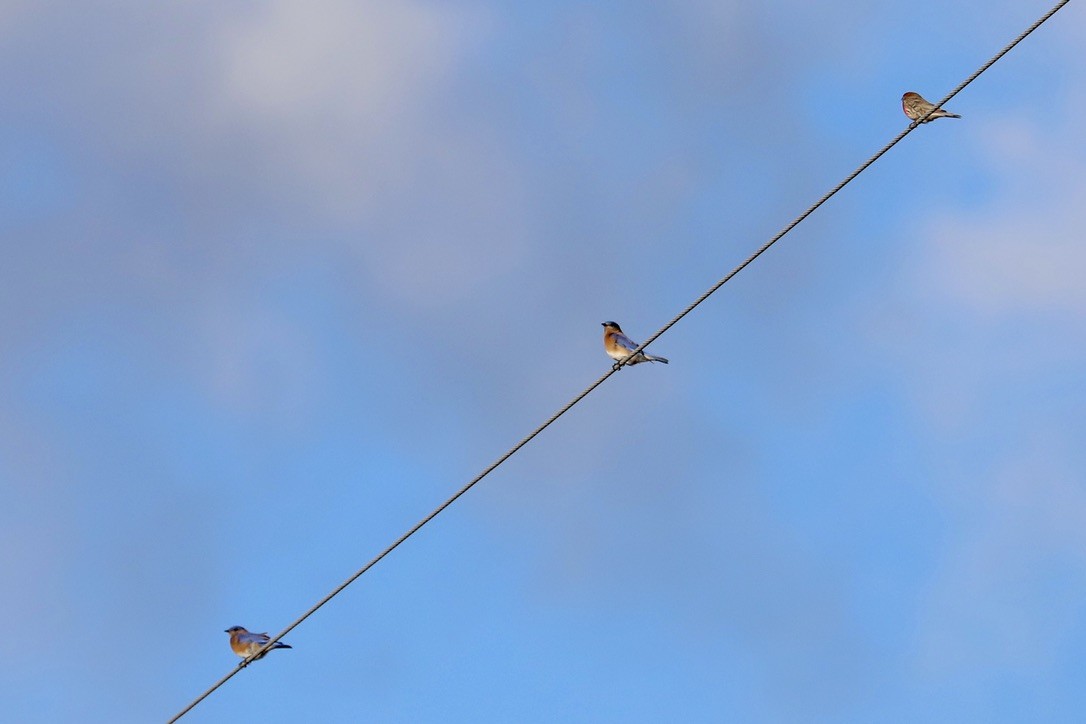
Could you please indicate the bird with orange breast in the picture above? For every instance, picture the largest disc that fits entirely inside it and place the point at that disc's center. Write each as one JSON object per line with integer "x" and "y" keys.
{"x": 618, "y": 347}
{"x": 916, "y": 107}
{"x": 245, "y": 644}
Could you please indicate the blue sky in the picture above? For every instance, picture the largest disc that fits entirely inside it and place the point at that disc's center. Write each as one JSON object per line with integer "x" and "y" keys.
{"x": 280, "y": 277}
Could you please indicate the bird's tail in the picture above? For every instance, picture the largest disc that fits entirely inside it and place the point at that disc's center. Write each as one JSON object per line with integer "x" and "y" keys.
{"x": 945, "y": 114}
{"x": 281, "y": 645}
{"x": 652, "y": 358}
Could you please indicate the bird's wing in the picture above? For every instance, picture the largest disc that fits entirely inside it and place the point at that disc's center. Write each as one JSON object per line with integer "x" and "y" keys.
{"x": 625, "y": 342}
{"x": 254, "y": 638}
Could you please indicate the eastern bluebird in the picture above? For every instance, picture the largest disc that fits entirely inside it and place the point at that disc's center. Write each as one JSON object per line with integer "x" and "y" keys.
{"x": 915, "y": 107}
{"x": 246, "y": 644}
{"x": 618, "y": 346}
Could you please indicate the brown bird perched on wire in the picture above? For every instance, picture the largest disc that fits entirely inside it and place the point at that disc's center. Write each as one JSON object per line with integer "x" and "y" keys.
{"x": 915, "y": 107}
{"x": 246, "y": 644}
{"x": 618, "y": 346}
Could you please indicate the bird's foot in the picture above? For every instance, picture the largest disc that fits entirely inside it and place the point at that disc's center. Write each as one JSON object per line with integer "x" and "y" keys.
{"x": 616, "y": 366}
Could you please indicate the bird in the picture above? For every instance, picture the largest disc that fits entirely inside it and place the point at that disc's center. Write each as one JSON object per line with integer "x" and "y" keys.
{"x": 246, "y": 644}
{"x": 915, "y": 107}
{"x": 618, "y": 347}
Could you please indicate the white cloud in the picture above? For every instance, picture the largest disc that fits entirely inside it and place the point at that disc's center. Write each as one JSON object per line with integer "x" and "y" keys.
{"x": 357, "y": 112}
{"x": 1023, "y": 251}
{"x": 1015, "y": 259}
{"x": 364, "y": 60}
{"x": 343, "y": 93}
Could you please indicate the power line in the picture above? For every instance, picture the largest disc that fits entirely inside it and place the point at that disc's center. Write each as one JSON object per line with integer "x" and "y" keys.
{"x": 528, "y": 438}
{"x": 854, "y": 174}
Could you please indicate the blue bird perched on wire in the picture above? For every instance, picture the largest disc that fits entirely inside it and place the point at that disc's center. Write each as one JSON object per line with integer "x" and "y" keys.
{"x": 245, "y": 644}
{"x": 618, "y": 347}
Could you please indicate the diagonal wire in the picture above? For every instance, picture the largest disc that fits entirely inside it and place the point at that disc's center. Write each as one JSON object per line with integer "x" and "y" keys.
{"x": 854, "y": 174}
{"x": 528, "y": 438}
{"x": 392, "y": 546}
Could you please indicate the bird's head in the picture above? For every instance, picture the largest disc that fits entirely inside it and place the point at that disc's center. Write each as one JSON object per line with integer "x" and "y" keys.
{"x": 235, "y": 629}
{"x": 612, "y": 325}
